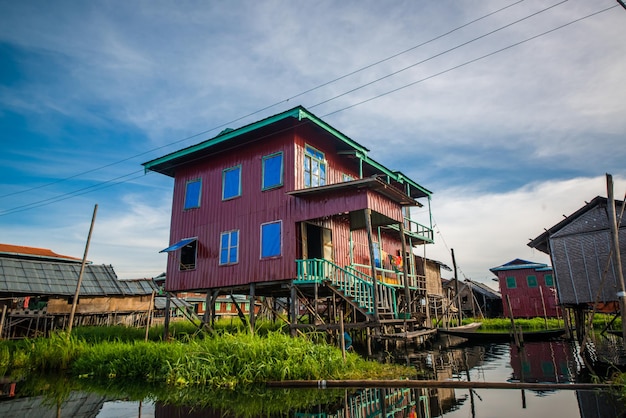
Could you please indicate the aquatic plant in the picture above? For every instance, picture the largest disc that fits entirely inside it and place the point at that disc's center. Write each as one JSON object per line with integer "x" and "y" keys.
{"x": 226, "y": 361}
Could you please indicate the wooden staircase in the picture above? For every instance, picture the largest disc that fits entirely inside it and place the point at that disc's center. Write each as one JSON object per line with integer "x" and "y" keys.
{"x": 354, "y": 286}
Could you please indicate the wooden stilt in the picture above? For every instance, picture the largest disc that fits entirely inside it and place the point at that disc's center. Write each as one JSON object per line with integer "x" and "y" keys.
{"x": 251, "y": 313}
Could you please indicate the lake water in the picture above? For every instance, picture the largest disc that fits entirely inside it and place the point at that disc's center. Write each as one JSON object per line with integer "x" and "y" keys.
{"x": 549, "y": 362}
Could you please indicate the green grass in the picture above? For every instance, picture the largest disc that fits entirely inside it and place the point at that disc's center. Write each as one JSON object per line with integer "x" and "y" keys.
{"x": 536, "y": 324}
{"x": 221, "y": 361}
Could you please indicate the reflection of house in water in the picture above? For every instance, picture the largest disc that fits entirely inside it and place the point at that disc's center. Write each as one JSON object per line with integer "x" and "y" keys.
{"x": 543, "y": 362}
{"x": 360, "y": 403}
{"x": 76, "y": 405}
{"x": 594, "y": 404}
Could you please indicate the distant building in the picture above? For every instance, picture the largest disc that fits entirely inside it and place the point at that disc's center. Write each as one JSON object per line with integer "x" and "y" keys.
{"x": 580, "y": 247}
{"x": 530, "y": 288}
{"x": 476, "y": 298}
{"x": 37, "y": 288}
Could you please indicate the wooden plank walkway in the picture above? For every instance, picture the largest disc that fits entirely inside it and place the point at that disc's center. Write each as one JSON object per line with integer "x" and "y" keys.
{"x": 452, "y": 384}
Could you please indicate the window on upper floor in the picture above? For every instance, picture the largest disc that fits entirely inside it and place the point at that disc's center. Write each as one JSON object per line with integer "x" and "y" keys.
{"x": 229, "y": 247}
{"x": 272, "y": 175}
{"x": 346, "y": 177}
{"x": 511, "y": 283}
{"x": 188, "y": 255}
{"x": 532, "y": 281}
{"x": 549, "y": 280}
{"x": 271, "y": 239}
{"x": 231, "y": 182}
{"x": 193, "y": 190}
{"x": 314, "y": 167}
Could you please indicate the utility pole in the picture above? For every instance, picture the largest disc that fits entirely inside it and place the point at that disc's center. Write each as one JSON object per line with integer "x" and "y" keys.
{"x": 80, "y": 275}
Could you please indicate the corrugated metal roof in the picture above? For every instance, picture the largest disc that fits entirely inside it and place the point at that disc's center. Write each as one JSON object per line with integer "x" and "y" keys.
{"x": 12, "y": 251}
{"x": 483, "y": 289}
{"x": 168, "y": 164}
{"x": 33, "y": 277}
{"x": 519, "y": 264}
{"x": 541, "y": 242}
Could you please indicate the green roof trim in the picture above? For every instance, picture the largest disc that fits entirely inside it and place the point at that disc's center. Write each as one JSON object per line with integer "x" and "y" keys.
{"x": 299, "y": 113}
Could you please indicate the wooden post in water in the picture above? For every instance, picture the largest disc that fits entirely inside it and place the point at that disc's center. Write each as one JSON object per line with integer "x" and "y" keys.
{"x": 80, "y": 275}
{"x": 457, "y": 296}
{"x": 543, "y": 303}
{"x": 617, "y": 259}
{"x": 513, "y": 327}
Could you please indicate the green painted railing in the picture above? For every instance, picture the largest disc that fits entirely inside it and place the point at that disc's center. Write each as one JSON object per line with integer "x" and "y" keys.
{"x": 351, "y": 282}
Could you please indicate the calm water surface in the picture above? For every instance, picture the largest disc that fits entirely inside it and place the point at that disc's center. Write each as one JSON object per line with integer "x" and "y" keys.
{"x": 553, "y": 362}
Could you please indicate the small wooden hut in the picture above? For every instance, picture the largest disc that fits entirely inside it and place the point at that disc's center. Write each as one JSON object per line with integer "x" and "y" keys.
{"x": 580, "y": 249}
{"x": 37, "y": 288}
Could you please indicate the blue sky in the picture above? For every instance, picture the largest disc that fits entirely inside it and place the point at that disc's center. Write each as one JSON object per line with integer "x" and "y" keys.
{"x": 511, "y": 112}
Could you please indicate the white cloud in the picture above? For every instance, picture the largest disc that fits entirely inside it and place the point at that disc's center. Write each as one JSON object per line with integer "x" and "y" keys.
{"x": 488, "y": 230}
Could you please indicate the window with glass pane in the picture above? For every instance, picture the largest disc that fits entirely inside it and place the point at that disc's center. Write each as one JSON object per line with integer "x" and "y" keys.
{"x": 532, "y": 281}
{"x": 272, "y": 171}
{"x": 229, "y": 247}
{"x": 549, "y": 280}
{"x": 510, "y": 282}
{"x": 314, "y": 167}
{"x": 231, "y": 182}
{"x": 192, "y": 194}
{"x": 270, "y": 239}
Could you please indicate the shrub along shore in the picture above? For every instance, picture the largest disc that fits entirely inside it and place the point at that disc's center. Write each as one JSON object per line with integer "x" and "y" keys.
{"x": 221, "y": 360}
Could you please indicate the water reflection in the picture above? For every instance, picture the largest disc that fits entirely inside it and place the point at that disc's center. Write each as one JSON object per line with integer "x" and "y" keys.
{"x": 553, "y": 362}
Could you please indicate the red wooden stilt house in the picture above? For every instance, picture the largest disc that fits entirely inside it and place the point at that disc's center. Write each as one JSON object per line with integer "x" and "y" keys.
{"x": 290, "y": 210}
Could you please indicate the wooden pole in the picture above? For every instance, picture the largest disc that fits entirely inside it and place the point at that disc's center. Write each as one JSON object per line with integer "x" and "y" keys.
{"x": 166, "y": 321}
{"x": 4, "y": 314}
{"x": 370, "y": 240}
{"x": 617, "y": 259}
{"x": 292, "y": 311}
{"x": 149, "y": 319}
{"x": 80, "y": 275}
{"x": 456, "y": 384}
{"x": 342, "y": 337}
{"x": 405, "y": 272}
{"x": 457, "y": 296}
{"x": 251, "y": 306}
{"x": 513, "y": 327}
{"x": 543, "y": 303}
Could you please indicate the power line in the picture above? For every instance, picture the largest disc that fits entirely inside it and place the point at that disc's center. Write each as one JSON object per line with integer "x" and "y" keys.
{"x": 269, "y": 106}
{"x": 94, "y": 187}
{"x": 438, "y": 55}
{"x": 74, "y": 193}
{"x": 468, "y": 62}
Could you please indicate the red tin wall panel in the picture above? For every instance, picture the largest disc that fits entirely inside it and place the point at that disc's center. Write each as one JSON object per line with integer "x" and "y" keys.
{"x": 527, "y": 302}
{"x": 255, "y": 207}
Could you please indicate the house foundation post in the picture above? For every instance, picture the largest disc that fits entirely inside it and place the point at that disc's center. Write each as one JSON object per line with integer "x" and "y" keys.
{"x": 370, "y": 240}
{"x": 251, "y": 312}
{"x": 292, "y": 310}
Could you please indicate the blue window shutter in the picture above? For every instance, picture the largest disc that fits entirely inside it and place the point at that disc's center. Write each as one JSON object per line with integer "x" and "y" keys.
{"x": 192, "y": 194}
{"x": 231, "y": 183}
{"x": 270, "y": 239}
{"x": 272, "y": 171}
